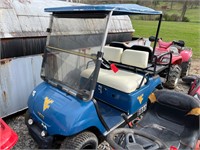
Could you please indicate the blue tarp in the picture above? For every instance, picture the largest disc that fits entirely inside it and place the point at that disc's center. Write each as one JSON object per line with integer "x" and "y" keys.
{"x": 118, "y": 9}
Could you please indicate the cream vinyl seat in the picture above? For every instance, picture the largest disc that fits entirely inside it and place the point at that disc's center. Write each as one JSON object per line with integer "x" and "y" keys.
{"x": 122, "y": 80}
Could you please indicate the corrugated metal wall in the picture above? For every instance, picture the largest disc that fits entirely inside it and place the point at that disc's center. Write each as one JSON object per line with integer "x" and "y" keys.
{"x": 18, "y": 77}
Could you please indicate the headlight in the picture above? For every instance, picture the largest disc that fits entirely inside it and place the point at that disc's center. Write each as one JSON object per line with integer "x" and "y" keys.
{"x": 165, "y": 60}
{"x": 30, "y": 121}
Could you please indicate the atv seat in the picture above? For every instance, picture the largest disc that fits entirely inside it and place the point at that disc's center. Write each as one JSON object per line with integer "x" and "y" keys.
{"x": 122, "y": 80}
{"x": 163, "y": 44}
{"x": 173, "y": 118}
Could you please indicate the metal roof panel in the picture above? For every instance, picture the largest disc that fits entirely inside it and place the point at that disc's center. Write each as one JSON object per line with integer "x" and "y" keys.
{"x": 28, "y": 19}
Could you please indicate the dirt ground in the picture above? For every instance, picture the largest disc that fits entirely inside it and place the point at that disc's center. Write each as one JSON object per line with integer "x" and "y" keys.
{"x": 195, "y": 68}
{"x": 26, "y": 142}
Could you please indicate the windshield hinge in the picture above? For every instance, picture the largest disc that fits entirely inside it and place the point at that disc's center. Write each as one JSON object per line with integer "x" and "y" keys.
{"x": 49, "y": 30}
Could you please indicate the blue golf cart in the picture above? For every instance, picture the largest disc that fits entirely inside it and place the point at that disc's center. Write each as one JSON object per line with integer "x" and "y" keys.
{"x": 89, "y": 89}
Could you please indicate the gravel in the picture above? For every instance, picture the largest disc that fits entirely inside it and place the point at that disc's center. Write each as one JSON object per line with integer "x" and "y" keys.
{"x": 16, "y": 122}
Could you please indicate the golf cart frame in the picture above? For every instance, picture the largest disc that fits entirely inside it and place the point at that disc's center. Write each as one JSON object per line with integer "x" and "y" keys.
{"x": 84, "y": 94}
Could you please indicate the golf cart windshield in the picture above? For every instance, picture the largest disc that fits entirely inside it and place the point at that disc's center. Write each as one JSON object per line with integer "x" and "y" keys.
{"x": 75, "y": 43}
{"x": 72, "y": 47}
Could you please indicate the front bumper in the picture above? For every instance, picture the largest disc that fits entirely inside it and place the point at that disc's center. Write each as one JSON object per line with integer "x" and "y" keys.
{"x": 35, "y": 130}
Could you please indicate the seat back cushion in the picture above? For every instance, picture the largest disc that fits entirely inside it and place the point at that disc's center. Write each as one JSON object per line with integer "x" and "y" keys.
{"x": 143, "y": 48}
{"x": 135, "y": 58}
{"x": 177, "y": 100}
{"x": 112, "y": 53}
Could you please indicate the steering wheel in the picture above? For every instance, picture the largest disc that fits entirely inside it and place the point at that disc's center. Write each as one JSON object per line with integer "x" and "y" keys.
{"x": 130, "y": 139}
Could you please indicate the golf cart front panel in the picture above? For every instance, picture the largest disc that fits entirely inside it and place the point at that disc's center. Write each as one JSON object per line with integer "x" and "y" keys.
{"x": 44, "y": 104}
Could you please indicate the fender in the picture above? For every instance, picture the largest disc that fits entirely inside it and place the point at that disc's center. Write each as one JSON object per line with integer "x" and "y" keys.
{"x": 176, "y": 59}
{"x": 156, "y": 82}
{"x": 186, "y": 55}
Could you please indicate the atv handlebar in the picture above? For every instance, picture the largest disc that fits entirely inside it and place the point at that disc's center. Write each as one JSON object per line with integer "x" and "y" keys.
{"x": 180, "y": 43}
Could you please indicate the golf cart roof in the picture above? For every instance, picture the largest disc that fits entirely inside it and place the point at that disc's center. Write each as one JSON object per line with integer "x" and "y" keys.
{"x": 118, "y": 9}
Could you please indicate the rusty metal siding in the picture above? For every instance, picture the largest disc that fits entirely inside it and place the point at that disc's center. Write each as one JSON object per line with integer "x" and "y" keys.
{"x": 18, "y": 77}
{"x": 17, "y": 47}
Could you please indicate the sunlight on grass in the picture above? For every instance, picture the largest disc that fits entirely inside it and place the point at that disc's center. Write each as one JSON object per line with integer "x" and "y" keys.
{"x": 187, "y": 31}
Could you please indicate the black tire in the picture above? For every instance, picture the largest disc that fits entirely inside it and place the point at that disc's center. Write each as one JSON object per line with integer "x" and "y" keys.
{"x": 189, "y": 79}
{"x": 185, "y": 66}
{"x": 174, "y": 75}
{"x": 84, "y": 140}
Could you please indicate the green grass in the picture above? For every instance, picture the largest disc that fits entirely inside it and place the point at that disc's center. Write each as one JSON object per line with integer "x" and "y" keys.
{"x": 187, "y": 31}
{"x": 192, "y": 13}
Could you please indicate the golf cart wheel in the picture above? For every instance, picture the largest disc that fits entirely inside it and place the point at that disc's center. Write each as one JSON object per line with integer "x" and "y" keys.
{"x": 84, "y": 140}
{"x": 174, "y": 75}
{"x": 185, "y": 68}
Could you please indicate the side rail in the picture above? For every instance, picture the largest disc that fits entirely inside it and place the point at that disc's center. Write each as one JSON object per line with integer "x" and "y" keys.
{"x": 146, "y": 76}
{"x": 156, "y": 60}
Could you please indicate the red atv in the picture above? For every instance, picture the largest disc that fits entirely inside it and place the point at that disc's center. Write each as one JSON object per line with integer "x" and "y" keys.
{"x": 181, "y": 59}
{"x": 8, "y": 137}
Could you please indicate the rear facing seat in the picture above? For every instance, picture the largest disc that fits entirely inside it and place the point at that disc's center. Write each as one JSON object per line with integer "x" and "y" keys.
{"x": 122, "y": 80}
{"x": 135, "y": 58}
{"x": 135, "y": 45}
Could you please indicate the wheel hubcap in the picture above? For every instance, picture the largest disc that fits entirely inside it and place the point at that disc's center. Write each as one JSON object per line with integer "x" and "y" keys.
{"x": 176, "y": 81}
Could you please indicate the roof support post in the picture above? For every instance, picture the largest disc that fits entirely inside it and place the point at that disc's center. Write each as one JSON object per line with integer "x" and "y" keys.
{"x": 157, "y": 32}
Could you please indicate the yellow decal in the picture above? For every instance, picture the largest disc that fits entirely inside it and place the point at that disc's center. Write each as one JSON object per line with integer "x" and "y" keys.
{"x": 152, "y": 98}
{"x": 140, "y": 98}
{"x": 194, "y": 111}
{"x": 47, "y": 103}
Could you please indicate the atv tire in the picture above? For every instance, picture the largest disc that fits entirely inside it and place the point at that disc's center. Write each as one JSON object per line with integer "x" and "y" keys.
{"x": 84, "y": 140}
{"x": 174, "y": 75}
{"x": 185, "y": 68}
